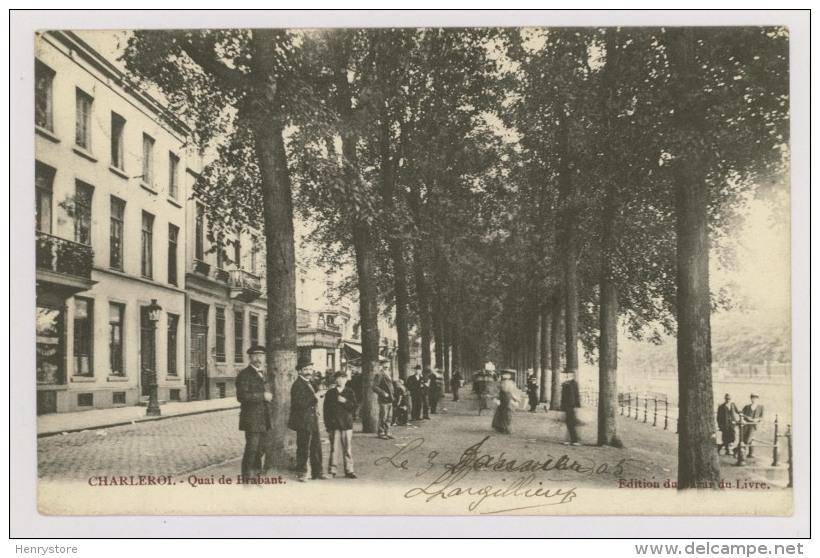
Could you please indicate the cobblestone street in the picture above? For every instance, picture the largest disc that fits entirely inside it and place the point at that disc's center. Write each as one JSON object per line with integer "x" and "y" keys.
{"x": 173, "y": 446}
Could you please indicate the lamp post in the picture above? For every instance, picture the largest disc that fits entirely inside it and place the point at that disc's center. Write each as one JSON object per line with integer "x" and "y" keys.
{"x": 154, "y": 310}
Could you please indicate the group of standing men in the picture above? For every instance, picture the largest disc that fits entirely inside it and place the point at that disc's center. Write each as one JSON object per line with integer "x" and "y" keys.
{"x": 397, "y": 405}
{"x": 254, "y": 395}
{"x": 728, "y": 418}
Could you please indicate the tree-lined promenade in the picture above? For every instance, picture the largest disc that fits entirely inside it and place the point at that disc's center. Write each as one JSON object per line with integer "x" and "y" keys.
{"x": 508, "y": 192}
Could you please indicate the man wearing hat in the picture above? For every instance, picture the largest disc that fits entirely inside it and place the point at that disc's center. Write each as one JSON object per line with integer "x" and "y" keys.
{"x": 415, "y": 385}
{"x": 305, "y": 421}
{"x": 254, "y": 395}
{"x": 571, "y": 400}
{"x": 383, "y": 387}
{"x": 727, "y": 417}
{"x": 338, "y": 416}
{"x": 752, "y": 415}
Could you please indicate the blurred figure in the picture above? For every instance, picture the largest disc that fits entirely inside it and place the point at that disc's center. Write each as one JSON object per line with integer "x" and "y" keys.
{"x": 400, "y": 404}
{"x": 436, "y": 390}
{"x": 532, "y": 392}
{"x": 502, "y": 419}
{"x": 455, "y": 384}
{"x": 571, "y": 400}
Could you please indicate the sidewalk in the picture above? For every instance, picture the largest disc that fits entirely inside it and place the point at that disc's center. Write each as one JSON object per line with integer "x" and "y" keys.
{"x": 58, "y": 423}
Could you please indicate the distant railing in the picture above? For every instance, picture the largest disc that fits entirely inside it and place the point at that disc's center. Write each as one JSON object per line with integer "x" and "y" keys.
{"x": 656, "y": 408}
{"x": 64, "y": 256}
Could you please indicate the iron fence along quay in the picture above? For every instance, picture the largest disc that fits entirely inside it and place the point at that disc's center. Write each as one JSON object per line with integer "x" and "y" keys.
{"x": 655, "y": 409}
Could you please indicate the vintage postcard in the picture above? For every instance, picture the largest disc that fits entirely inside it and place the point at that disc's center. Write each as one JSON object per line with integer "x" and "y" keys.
{"x": 468, "y": 270}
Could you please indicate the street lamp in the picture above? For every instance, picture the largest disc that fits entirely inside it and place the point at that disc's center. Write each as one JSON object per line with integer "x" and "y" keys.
{"x": 153, "y": 310}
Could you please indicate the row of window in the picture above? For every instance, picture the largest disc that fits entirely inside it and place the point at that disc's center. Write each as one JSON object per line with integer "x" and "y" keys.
{"x": 256, "y": 335}
{"x": 44, "y": 118}
{"x": 199, "y": 245}
{"x": 81, "y": 209}
{"x": 84, "y": 338}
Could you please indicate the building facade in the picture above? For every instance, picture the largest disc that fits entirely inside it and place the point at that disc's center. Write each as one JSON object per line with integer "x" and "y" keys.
{"x": 110, "y": 224}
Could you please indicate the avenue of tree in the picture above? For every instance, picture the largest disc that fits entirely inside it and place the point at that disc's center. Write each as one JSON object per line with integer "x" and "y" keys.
{"x": 512, "y": 195}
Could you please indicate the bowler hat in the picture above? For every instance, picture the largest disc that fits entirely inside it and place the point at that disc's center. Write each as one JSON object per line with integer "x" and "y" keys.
{"x": 417, "y": 367}
{"x": 303, "y": 362}
{"x": 753, "y": 396}
{"x": 257, "y": 349}
{"x": 339, "y": 374}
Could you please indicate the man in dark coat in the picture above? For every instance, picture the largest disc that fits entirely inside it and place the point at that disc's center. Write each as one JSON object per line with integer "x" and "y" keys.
{"x": 571, "y": 400}
{"x": 752, "y": 416}
{"x": 383, "y": 387}
{"x": 532, "y": 392}
{"x": 415, "y": 387}
{"x": 254, "y": 395}
{"x": 338, "y": 416}
{"x": 455, "y": 384}
{"x": 305, "y": 421}
{"x": 727, "y": 418}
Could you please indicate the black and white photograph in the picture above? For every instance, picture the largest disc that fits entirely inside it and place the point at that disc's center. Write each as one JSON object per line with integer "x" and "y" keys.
{"x": 475, "y": 270}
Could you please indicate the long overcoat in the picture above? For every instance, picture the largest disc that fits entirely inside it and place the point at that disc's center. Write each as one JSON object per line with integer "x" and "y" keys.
{"x": 254, "y": 414}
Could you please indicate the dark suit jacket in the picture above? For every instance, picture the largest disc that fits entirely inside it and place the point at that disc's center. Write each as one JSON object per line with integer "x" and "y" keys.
{"x": 570, "y": 396}
{"x": 384, "y": 388}
{"x": 414, "y": 385}
{"x": 254, "y": 415}
{"x": 727, "y": 416}
{"x": 339, "y": 416}
{"x": 753, "y": 416}
{"x": 302, "y": 406}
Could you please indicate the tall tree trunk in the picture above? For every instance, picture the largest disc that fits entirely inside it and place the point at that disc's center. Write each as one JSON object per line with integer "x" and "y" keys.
{"x": 422, "y": 289}
{"x": 555, "y": 344}
{"x": 446, "y": 340}
{"x": 697, "y": 451}
{"x": 546, "y": 364}
{"x": 536, "y": 345}
{"x": 280, "y": 256}
{"x": 608, "y": 307}
{"x": 369, "y": 312}
{"x": 608, "y": 363}
{"x": 364, "y": 246}
{"x": 392, "y": 200}
{"x": 438, "y": 332}
{"x": 567, "y": 243}
{"x": 455, "y": 339}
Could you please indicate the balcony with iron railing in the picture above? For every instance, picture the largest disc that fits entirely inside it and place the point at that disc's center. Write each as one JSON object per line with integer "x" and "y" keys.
{"x": 244, "y": 286}
{"x": 63, "y": 264}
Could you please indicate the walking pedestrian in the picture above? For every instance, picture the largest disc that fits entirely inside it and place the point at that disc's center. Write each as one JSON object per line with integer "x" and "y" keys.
{"x": 305, "y": 421}
{"x": 337, "y": 413}
{"x": 383, "y": 387}
{"x": 727, "y": 418}
{"x": 570, "y": 401}
{"x": 502, "y": 419}
{"x": 455, "y": 384}
{"x": 255, "y": 396}
{"x": 532, "y": 392}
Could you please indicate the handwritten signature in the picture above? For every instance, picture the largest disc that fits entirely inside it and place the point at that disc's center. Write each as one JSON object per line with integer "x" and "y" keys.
{"x": 454, "y": 481}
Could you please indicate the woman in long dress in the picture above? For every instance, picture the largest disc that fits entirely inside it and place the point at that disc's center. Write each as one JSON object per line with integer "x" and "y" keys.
{"x": 502, "y": 419}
